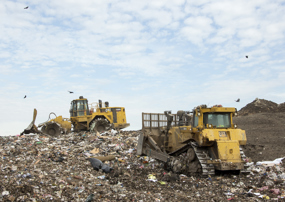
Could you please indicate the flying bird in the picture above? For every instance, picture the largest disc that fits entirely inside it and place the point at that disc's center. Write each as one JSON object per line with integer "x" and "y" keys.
{"x": 26, "y": 7}
{"x": 70, "y": 91}
{"x": 246, "y": 56}
{"x": 237, "y": 100}
{"x": 25, "y": 96}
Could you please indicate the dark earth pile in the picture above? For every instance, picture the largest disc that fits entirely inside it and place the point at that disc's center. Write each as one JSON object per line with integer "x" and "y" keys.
{"x": 264, "y": 123}
{"x": 44, "y": 168}
{"x": 281, "y": 107}
{"x": 261, "y": 105}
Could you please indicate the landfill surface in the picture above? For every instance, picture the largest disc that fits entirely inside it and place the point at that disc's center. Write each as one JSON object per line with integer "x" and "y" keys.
{"x": 45, "y": 168}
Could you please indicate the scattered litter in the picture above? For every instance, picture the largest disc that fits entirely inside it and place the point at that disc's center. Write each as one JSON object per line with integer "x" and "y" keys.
{"x": 105, "y": 167}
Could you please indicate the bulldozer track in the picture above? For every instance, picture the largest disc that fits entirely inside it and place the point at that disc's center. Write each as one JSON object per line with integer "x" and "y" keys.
{"x": 188, "y": 164}
{"x": 202, "y": 156}
{"x": 243, "y": 157}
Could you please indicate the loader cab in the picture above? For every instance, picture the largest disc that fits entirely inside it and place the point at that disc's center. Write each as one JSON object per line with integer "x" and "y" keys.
{"x": 79, "y": 107}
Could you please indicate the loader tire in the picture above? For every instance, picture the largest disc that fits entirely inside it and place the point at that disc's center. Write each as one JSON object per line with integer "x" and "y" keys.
{"x": 99, "y": 125}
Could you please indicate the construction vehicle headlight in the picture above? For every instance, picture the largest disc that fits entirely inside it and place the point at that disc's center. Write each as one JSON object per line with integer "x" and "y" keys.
{"x": 235, "y": 125}
{"x": 236, "y": 114}
{"x": 210, "y": 125}
{"x": 199, "y": 113}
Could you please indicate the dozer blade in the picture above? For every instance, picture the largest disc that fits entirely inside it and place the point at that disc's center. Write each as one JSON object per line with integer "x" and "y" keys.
{"x": 32, "y": 128}
{"x": 147, "y": 146}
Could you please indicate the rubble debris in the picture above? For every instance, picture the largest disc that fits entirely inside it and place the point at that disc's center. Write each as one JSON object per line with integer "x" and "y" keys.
{"x": 90, "y": 198}
{"x": 30, "y": 171}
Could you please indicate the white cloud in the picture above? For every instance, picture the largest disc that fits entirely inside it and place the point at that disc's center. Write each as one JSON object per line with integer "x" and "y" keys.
{"x": 197, "y": 29}
{"x": 147, "y": 56}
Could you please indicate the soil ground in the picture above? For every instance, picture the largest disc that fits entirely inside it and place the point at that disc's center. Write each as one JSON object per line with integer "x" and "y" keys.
{"x": 265, "y": 135}
{"x": 263, "y": 122}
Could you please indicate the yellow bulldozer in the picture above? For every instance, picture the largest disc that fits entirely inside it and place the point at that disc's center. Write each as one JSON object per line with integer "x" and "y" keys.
{"x": 83, "y": 117}
{"x": 199, "y": 142}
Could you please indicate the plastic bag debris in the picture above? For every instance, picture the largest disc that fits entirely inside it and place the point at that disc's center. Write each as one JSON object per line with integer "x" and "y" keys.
{"x": 151, "y": 178}
{"x": 97, "y": 164}
{"x": 90, "y": 198}
{"x": 275, "y": 191}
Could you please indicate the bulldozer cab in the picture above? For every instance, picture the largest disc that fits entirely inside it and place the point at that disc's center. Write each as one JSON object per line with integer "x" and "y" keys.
{"x": 214, "y": 117}
{"x": 79, "y": 107}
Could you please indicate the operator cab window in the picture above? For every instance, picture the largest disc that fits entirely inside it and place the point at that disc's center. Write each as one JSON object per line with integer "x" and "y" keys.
{"x": 80, "y": 107}
{"x": 73, "y": 109}
{"x": 86, "y": 108}
{"x": 195, "y": 120}
{"x": 218, "y": 120}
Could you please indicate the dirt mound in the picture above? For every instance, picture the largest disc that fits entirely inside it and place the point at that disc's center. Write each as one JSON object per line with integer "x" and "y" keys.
{"x": 263, "y": 122}
{"x": 281, "y": 107}
{"x": 260, "y": 106}
{"x": 265, "y": 136}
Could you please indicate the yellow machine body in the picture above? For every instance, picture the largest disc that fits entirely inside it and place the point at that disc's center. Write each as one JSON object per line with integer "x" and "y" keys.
{"x": 93, "y": 117}
{"x": 211, "y": 129}
{"x": 56, "y": 126}
{"x": 63, "y": 122}
{"x": 82, "y": 115}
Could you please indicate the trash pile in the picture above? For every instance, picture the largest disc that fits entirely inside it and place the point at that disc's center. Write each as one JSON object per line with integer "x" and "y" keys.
{"x": 105, "y": 167}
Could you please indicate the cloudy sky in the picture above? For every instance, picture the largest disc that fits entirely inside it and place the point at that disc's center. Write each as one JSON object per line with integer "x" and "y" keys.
{"x": 146, "y": 56}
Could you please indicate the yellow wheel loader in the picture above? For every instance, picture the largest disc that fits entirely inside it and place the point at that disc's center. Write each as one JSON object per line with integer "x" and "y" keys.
{"x": 95, "y": 117}
{"x": 199, "y": 142}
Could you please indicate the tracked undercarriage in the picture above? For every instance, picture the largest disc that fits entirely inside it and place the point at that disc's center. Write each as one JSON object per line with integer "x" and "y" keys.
{"x": 189, "y": 160}
{"x": 192, "y": 162}
{"x": 195, "y": 161}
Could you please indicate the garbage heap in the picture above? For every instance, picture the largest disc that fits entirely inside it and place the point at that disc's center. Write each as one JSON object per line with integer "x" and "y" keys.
{"x": 104, "y": 167}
